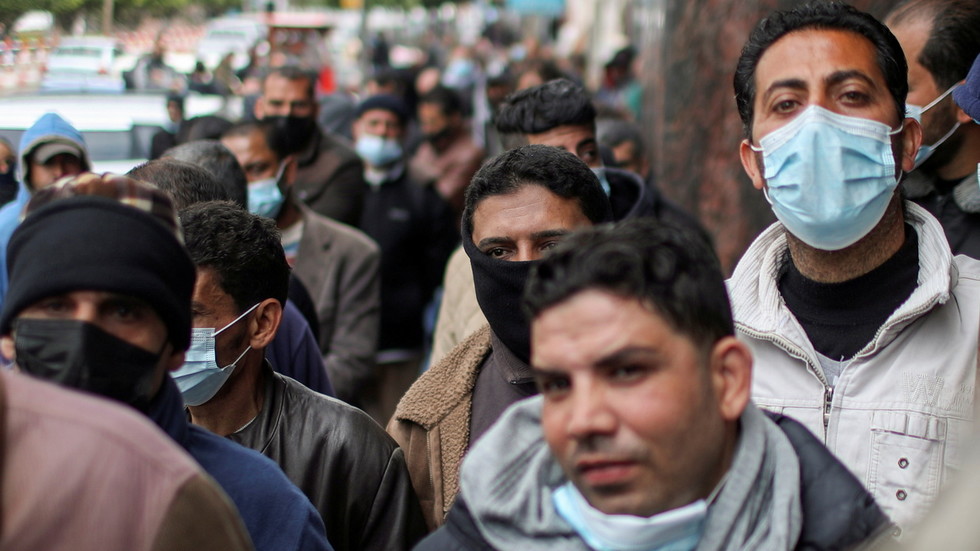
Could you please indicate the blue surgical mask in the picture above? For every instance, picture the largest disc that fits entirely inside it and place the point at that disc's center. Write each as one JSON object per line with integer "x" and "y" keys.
{"x": 829, "y": 177}
{"x": 378, "y": 151}
{"x": 600, "y": 173}
{"x": 200, "y": 378}
{"x": 675, "y": 530}
{"x": 264, "y": 196}
{"x": 915, "y": 112}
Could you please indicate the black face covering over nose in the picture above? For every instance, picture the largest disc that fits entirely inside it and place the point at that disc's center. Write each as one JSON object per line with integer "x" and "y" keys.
{"x": 80, "y": 355}
{"x": 294, "y": 132}
{"x": 499, "y": 288}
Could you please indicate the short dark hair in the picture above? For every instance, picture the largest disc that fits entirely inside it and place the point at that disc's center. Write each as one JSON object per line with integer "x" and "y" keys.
{"x": 293, "y": 73}
{"x": 554, "y": 169}
{"x": 448, "y": 100}
{"x": 819, "y": 16}
{"x": 270, "y": 132}
{"x": 184, "y": 182}
{"x": 243, "y": 249}
{"x": 544, "y": 107}
{"x": 207, "y": 127}
{"x": 220, "y": 162}
{"x": 615, "y": 132}
{"x": 954, "y": 41}
{"x": 670, "y": 268}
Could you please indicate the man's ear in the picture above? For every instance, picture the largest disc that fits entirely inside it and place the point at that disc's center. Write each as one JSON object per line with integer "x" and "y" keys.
{"x": 751, "y": 164}
{"x": 7, "y": 347}
{"x": 730, "y": 364}
{"x": 265, "y": 323}
{"x": 911, "y": 140}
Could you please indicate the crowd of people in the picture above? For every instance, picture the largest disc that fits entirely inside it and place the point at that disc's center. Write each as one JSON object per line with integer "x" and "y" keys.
{"x": 399, "y": 326}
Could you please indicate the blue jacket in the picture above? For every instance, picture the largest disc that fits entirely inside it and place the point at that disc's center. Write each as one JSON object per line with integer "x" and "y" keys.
{"x": 50, "y": 127}
{"x": 277, "y": 514}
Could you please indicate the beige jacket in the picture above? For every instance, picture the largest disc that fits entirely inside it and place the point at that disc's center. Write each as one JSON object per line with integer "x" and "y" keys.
{"x": 432, "y": 425}
{"x": 901, "y": 411}
{"x": 339, "y": 266}
{"x": 459, "y": 313}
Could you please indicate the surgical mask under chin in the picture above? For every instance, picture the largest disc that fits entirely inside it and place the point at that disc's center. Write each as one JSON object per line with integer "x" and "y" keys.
{"x": 675, "y": 530}
{"x": 200, "y": 378}
{"x": 915, "y": 112}
{"x": 264, "y": 196}
{"x": 829, "y": 177}
{"x": 378, "y": 151}
{"x": 600, "y": 173}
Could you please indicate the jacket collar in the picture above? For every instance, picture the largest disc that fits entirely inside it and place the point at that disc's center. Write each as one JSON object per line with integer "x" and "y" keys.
{"x": 759, "y": 309}
{"x": 451, "y": 381}
{"x": 966, "y": 194}
{"x": 260, "y": 432}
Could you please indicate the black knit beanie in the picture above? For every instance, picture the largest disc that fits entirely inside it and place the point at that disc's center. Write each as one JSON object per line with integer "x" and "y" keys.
{"x": 93, "y": 243}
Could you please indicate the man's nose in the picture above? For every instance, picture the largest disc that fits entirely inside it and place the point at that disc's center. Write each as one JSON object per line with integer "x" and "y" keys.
{"x": 591, "y": 414}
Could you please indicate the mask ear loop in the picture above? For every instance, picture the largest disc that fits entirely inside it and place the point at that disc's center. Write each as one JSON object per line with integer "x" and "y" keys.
{"x": 901, "y": 173}
{"x": 245, "y": 313}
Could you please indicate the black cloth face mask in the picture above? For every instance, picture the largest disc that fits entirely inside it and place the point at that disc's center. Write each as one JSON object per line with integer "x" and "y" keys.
{"x": 80, "y": 355}
{"x": 499, "y": 288}
{"x": 295, "y": 132}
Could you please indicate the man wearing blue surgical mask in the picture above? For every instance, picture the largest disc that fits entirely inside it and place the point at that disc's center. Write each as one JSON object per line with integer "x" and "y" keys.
{"x": 343, "y": 461}
{"x": 863, "y": 324}
{"x": 940, "y": 39}
{"x": 337, "y": 264}
{"x": 416, "y": 230}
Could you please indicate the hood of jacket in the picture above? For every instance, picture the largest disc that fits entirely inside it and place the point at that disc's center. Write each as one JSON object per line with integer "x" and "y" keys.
{"x": 629, "y": 196}
{"x": 51, "y": 127}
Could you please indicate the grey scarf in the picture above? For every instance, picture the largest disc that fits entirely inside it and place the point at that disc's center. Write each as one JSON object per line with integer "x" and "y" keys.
{"x": 759, "y": 506}
{"x": 507, "y": 478}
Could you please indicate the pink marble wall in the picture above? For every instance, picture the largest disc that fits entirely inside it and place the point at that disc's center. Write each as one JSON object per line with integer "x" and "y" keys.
{"x": 689, "y": 50}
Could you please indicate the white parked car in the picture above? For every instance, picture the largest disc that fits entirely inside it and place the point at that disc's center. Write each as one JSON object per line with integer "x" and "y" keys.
{"x": 85, "y": 64}
{"x": 117, "y": 128}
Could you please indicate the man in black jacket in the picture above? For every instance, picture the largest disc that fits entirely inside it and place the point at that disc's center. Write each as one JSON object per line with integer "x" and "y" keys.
{"x": 643, "y": 436}
{"x": 350, "y": 469}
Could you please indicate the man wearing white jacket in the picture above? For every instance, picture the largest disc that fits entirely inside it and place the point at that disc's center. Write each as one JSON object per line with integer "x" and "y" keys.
{"x": 862, "y": 323}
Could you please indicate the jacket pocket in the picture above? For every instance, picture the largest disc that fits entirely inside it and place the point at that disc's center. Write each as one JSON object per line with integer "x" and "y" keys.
{"x": 906, "y": 465}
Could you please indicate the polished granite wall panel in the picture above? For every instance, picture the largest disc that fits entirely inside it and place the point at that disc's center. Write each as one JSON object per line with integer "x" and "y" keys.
{"x": 689, "y": 50}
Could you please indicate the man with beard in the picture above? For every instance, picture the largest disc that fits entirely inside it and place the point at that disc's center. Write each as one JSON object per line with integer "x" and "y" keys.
{"x": 449, "y": 156}
{"x": 941, "y": 38}
{"x": 863, "y": 324}
{"x": 329, "y": 178}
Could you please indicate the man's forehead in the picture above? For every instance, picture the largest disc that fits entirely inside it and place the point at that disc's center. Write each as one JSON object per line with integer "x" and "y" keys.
{"x": 559, "y": 135}
{"x": 810, "y": 56}
{"x": 278, "y": 85}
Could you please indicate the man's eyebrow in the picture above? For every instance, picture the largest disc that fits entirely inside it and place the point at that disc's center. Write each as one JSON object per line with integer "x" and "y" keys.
{"x": 626, "y": 355}
{"x": 200, "y": 308}
{"x": 585, "y": 142}
{"x": 496, "y": 240}
{"x": 794, "y": 83}
{"x": 557, "y": 232}
{"x": 840, "y": 76}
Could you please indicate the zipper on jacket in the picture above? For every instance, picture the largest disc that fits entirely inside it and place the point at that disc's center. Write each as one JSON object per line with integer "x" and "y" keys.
{"x": 828, "y": 401}
{"x": 798, "y": 353}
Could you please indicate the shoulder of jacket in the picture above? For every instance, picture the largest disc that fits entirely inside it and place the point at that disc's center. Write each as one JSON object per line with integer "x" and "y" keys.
{"x": 447, "y": 384}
